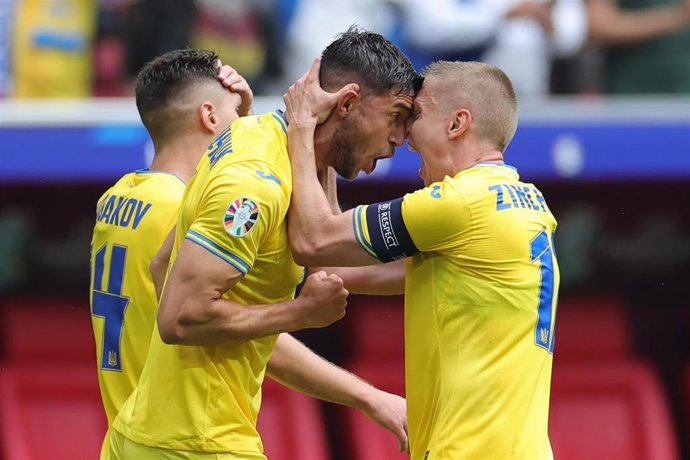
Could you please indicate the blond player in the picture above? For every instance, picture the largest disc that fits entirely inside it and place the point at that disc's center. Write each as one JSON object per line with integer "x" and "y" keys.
{"x": 480, "y": 279}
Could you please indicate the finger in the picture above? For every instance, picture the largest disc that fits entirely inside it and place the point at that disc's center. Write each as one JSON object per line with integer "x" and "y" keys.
{"x": 226, "y": 71}
{"x": 320, "y": 275}
{"x": 335, "y": 279}
{"x": 231, "y": 80}
{"x": 407, "y": 438}
{"x": 240, "y": 87}
{"x": 313, "y": 73}
{"x": 232, "y": 77}
{"x": 219, "y": 65}
{"x": 404, "y": 443}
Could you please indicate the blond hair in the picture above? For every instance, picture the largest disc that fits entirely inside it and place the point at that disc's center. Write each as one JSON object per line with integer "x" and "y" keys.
{"x": 485, "y": 90}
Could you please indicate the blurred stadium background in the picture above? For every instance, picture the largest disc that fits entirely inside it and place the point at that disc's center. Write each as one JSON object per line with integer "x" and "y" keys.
{"x": 604, "y": 132}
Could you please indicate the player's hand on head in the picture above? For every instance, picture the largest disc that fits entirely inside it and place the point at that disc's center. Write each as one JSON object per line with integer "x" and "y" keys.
{"x": 323, "y": 299}
{"x": 307, "y": 103}
{"x": 232, "y": 80}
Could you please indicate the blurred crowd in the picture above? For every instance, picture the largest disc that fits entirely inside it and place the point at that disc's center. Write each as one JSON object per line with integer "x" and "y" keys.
{"x": 82, "y": 48}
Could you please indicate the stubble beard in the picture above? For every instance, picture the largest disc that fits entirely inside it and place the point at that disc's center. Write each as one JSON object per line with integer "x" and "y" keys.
{"x": 342, "y": 153}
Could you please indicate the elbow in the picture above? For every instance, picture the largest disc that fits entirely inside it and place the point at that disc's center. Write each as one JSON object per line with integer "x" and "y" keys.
{"x": 155, "y": 266}
{"x": 304, "y": 253}
{"x": 171, "y": 331}
{"x": 171, "y": 334}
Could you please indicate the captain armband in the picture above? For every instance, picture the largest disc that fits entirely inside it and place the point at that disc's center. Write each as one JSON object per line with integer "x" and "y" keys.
{"x": 388, "y": 236}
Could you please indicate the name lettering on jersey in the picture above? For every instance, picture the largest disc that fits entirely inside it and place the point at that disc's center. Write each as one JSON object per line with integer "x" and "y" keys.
{"x": 220, "y": 147}
{"x": 121, "y": 211}
{"x": 384, "y": 214}
{"x": 518, "y": 196}
{"x": 435, "y": 191}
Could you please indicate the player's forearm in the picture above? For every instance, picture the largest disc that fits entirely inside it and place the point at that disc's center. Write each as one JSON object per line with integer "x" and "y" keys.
{"x": 610, "y": 25}
{"x": 158, "y": 268}
{"x": 159, "y": 264}
{"x": 384, "y": 279}
{"x": 224, "y": 321}
{"x": 310, "y": 213}
{"x": 294, "y": 365}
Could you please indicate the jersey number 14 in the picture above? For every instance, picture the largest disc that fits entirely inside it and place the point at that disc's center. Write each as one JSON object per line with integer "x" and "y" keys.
{"x": 109, "y": 303}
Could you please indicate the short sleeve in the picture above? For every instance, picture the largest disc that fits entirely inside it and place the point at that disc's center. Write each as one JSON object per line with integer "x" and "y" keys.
{"x": 436, "y": 216}
{"x": 237, "y": 211}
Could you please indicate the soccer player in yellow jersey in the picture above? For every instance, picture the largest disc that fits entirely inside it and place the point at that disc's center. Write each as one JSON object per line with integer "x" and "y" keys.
{"x": 228, "y": 298}
{"x": 480, "y": 279}
{"x": 135, "y": 215}
{"x": 182, "y": 90}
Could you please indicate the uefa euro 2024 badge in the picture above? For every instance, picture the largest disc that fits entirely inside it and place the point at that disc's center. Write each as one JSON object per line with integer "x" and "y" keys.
{"x": 240, "y": 216}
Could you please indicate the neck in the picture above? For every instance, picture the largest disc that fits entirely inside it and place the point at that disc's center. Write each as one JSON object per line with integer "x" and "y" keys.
{"x": 323, "y": 136}
{"x": 464, "y": 159}
{"x": 180, "y": 155}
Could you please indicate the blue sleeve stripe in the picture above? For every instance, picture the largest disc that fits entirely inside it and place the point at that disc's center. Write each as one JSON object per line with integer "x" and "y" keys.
{"x": 224, "y": 254}
{"x": 359, "y": 232}
{"x": 277, "y": 116}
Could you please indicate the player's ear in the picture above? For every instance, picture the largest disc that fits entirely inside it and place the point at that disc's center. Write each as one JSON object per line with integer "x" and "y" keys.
{"x": 208, "y": 118}
{"x": 347, "y": 102}
{"x": 459, "y": 124}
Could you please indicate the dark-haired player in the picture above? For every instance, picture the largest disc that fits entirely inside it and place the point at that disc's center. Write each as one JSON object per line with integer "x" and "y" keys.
{"x": 229, "y": 293}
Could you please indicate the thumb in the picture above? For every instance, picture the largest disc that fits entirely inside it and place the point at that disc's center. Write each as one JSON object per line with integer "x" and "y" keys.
{"x": 336, "y": 278}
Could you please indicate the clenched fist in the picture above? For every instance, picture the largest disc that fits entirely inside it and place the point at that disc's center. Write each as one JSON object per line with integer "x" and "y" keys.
{"x": 322, "y": 299}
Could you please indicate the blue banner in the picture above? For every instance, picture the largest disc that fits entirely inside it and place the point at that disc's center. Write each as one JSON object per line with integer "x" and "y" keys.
{"x": 577, "y": 150}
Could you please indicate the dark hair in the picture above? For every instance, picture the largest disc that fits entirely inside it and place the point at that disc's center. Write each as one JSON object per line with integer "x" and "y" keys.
{"x": 369, "y": 59}
{"x": 164, "y": 78}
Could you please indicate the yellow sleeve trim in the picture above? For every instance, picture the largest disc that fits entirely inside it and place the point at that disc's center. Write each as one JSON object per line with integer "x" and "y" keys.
{"x": 359, "y": 223}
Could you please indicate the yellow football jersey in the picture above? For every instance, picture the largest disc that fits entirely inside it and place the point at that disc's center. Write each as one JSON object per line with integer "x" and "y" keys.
{"x": 480, "y": 309}
{"x": 207, "y": 398}
{"x": 133, "y": 218}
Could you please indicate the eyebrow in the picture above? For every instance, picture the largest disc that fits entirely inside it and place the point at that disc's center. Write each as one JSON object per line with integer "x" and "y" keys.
{"x": 404, "y": 104}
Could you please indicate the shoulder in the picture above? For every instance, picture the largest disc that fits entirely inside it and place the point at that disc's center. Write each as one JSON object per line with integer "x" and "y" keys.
{"x": 438, "y": 209}
{"x": 246, "y": 186}
{"x": 269, "y": 127}
{"x": 443, "y": 195}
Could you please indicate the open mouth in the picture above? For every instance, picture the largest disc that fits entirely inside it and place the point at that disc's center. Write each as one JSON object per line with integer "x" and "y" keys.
{"x": 372, "y": 167}
{"x": 375, "y": 161}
